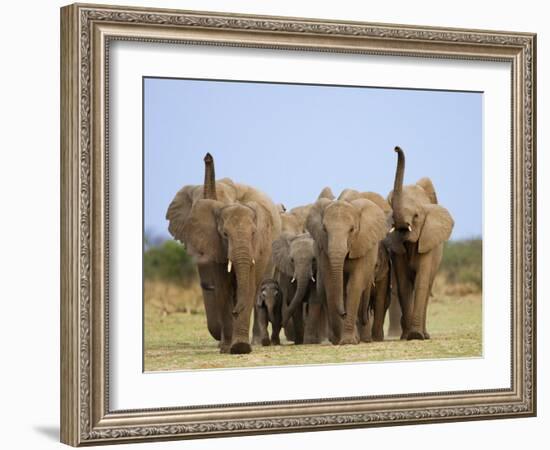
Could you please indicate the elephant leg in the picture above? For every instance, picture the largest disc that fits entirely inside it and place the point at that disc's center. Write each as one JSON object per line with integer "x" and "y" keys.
{"x": 289, "y": 331}
{"x": 394, "y": 308}
{"x": 354, "y": 293}
{"x": 275, "y": 331}
{"x": 322, "y": 329}
{"x": 298, "y": 322}
{"x": 227, "y": 326}
{"x": 207, "y": 275}
{"x": 424, "y": 330}
{"x": 421, "y": 293}
{"x": 312, "y": 322}
{"x": 257, "y": 335}
{"x": 262, "y": 320}
{"x": 365, "y": 326}
{"x": 313, "y": 318}
{"x": 380, "y": 306}
{"x": 404, "y": 292}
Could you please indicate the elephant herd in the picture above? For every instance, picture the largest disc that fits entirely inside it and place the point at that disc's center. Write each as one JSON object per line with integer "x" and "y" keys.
{"x": 323, "y": 271}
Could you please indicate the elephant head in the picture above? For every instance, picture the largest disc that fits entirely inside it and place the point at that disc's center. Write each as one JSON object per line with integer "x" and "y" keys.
{"x": 294, "y": 256}
{"x": 416, "y": 215}
{"x": 344, "y": 230}
{"x": 269, "y": 297}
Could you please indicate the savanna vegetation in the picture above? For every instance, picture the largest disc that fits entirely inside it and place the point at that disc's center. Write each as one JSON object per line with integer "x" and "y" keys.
{"x": 176, "y": 336}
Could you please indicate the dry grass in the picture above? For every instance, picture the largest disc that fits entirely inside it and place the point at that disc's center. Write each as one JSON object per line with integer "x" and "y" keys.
{"x": 176, "y": 337}
{"x": 168, "y": 298}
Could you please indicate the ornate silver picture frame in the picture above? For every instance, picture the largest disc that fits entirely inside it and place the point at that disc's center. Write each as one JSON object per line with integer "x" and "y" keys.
{"x": 87, "y": 32}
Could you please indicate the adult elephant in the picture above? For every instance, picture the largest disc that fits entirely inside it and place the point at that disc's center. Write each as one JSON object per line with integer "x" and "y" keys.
{"x": 421, "y": 226}
{"x": 347, "y": 236}
{"x": 373, "y": 307}
{"x": 228, "y": 228}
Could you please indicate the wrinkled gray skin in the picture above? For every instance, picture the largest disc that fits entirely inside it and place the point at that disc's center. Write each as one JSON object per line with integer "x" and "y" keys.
{"x": 223, "y": 222}
{"x": 269, "y": 310}
{"x": 420, "y": 228}
{"x": 347, "y": 236}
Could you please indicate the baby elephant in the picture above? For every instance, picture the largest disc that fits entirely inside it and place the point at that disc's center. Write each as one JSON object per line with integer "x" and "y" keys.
{"x": 269, "y": 309}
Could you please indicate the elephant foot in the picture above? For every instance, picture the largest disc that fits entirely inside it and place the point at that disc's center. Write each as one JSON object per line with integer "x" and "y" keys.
{"x": 240, "y": 348}
{"x": 377, "y": 337}
{"x": 224, "y": 348}
{"x": 415, "y": 335}
{"x": 256, "y": 340}
{"x": 426, "y": 335}
{"x": 394, "y": 332}
{"x": 275, "y": 341}
{"x": 266, "y": 342}
{"x": 349, "y": 340}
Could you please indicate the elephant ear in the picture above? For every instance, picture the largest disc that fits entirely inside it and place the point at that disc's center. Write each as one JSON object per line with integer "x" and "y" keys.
{"x": 372, "y": 228}
{"x": 200, "y": 232}
{"x": 179, "y": 210}
{"x": 281, "y": 254}
{"x": 426, "y": 184}
{"x": 314, "y": 222}
{"x": 437, "y": 228}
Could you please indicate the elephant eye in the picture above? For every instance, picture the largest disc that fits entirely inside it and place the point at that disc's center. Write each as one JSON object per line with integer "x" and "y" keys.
{"x": 352, "y": 229}
{"x": 324, "y": 228}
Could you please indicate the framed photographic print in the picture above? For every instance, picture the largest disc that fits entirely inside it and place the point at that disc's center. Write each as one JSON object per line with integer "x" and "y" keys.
{"x": 276, "y": 224}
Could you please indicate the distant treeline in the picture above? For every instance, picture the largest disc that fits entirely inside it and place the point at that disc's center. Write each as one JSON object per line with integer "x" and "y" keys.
{"x": 168, "y": 261}
{"x": 462, "y": 262}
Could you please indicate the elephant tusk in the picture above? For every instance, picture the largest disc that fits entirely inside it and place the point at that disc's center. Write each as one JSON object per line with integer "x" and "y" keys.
{"x": 409, "y": 227}
{"x": 253, "y": 261}
{"x": 312, "y": 278}
{"x": 229, "y": 266}
{"x": 293, "y": 280}
{"x": 392, "y": 229}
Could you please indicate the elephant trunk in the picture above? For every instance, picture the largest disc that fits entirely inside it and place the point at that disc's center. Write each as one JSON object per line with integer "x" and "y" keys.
{"x": 301, "y": 289}
{"x": 398, "y": 188}
{"x": 337, "y": 255}
{"x": 242, "y": 263}
{"x": 209, "y": 191}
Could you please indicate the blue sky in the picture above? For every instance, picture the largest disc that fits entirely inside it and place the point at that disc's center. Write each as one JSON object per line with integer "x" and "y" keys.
{"x": 291, "y": 140}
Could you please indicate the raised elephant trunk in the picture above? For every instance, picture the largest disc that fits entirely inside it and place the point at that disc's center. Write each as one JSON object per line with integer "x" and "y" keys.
{"x": 301, "y": 289}
{"x": 398, "y": 188}
{"x": 209, "y": 178}
{"x": 337, "y": 255}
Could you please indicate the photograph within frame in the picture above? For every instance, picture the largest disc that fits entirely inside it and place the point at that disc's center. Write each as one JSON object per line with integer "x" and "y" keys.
{"x": 433, "y": 124}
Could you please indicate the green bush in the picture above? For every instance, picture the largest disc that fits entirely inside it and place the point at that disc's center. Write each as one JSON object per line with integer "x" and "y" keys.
{"x": 462, "y": 262}
{"x": 168, "y": 261}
